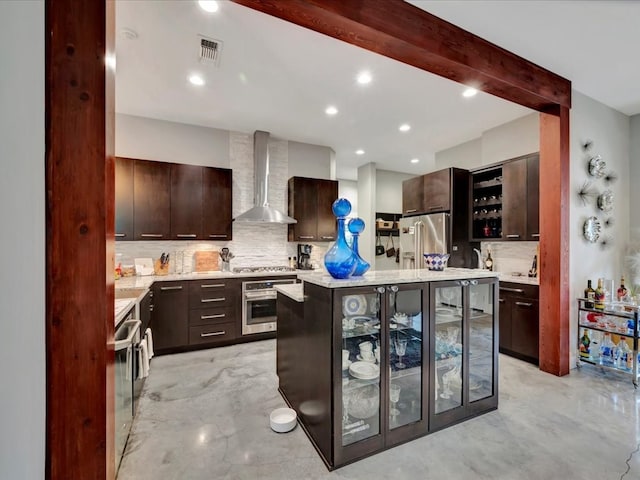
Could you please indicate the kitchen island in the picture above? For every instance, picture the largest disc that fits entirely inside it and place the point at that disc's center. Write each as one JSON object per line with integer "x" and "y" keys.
{"x": 372, "y": 362}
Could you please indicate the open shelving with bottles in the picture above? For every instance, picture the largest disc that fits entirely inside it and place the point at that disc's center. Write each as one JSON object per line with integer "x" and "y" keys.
{"x": 486, "y": 204}
{"x": 601, "y": 333}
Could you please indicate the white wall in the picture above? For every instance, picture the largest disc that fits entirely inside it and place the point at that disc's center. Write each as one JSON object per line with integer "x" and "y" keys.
{"x": 349, "y": 189}
{"x": 634, "y": 178}
{"x": 609, "y": 130}
{"x": 22, "y": 210}
{"x": 367, "y": 209}
{"x": 389, "y": 190}
{"x": 467, "y": 155}
{"x": 313, "y": 161}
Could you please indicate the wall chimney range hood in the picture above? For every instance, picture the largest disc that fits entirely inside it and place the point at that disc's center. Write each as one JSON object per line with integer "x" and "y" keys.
{"x": 262, "y": 212}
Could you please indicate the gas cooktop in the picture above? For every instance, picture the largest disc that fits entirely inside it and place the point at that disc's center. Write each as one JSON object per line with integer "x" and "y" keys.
{"x": 263, "y": 269}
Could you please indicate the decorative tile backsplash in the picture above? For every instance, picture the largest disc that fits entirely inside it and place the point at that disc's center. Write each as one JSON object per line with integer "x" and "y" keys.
{"x": 252, "y": 244}
{"x": 511, "y": 257}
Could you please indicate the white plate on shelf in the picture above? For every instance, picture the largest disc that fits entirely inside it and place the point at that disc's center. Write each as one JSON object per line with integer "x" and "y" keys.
{"x": 364, "y": 370}
{"x": 373, "y": 360}
{"x": 354, "y": 305}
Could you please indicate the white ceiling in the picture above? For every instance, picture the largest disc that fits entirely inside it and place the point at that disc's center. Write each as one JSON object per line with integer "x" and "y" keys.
{"x": 279, "y": 77}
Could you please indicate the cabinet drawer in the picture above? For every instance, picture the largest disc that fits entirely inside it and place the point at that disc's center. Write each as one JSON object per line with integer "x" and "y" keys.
{"x": 519, "y": 290}
{"x": 212, "y": 333}
{"x": 210, "y": 316}
{"x": 209, "y": 294}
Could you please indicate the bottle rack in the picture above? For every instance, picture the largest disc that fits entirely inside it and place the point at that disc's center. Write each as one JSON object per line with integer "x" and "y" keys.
{"x": 620, "y": 321}
{"x": 486, "y": 205}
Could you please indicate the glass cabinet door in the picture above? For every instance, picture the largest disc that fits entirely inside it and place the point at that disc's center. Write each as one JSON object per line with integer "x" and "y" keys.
{"x": 448, "y": 352}
{"x": 360, "y": 367}
{"x": 405, "y": 346}
{"x": 481, "y": 341}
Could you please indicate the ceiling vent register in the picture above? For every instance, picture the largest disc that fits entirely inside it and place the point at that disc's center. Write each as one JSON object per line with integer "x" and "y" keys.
{"x": 210, "y": 50}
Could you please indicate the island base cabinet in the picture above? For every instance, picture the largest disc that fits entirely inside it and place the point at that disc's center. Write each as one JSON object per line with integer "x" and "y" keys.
{"x": 372, "y": 382}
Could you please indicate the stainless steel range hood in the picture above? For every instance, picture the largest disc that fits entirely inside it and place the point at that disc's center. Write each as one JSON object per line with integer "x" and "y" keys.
{"x": 262, "y": 212}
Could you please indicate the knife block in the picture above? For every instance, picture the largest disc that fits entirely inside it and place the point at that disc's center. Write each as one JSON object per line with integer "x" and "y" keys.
{"x": 159, "y": 268}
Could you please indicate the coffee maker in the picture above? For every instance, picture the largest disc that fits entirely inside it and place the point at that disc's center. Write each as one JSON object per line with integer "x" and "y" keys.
{"x": 304, "y": 256}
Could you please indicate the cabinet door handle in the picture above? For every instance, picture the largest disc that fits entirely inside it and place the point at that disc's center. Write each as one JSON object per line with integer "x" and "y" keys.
{"x": 464, "y": 283}
{"x": 216, "y": 235}
{"x": 514, "y": 290}
{"x": 208, "y": 317}
{"x": 186, "y": 235}
{"x": 411, "y": 210}
{"x": 524, "y": 304}
{"x": 212, "y": 285}
{"x": 151, "y": 235}
{"x": 325, "y": 237}
{"x": 212, "y": 334}
{"x": 501, "y": 300}
{"x": 179, "y": 287}
{"x": 474, "y": 282}
{"x": 436, "y": 207}
{"x": 120, "y": 235}
{"x": 209, "y": 300}
{"x": 536, "y": 235}
{"x": 151, "y": 308}
{"x": 306, "y": 237}
{"x": 513, "y": 235}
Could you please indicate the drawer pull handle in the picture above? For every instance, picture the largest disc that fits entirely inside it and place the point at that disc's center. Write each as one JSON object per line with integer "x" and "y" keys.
{"x": 151, "y": 235}
{"x": 212, "y": 334}
{"x": 120, "y": 235}
{"x": 186, "y": 235}
{"x": 326, "y": 237}
{"x": 212, "y": 285}
{"x": 524, "y": 304}
{"x": 436, "y": 207}
{"x": 209, "y": 300}
{"x": 306, "y": 237}
{"x": 536, "y": 235}
{"x": 216, "y": 235}
{"x": 411, "y": 210}
{"x": 513, "y": 235}
{"x": 501, "y": 300}
{"x": 208, "y": 317}
{"x": 514, "y": 290}
{"x": 179, "y": 287}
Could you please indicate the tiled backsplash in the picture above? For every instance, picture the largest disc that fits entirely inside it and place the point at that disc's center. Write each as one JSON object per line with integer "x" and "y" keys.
{"x": 252, "y": 244}
{"x": 510, "y": 257}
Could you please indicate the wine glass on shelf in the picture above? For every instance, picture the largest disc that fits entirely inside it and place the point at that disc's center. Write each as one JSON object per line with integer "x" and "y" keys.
{"x": 400, "y": 345}
{"x": 345, "y": 409}
{"x": 394, "y": 396}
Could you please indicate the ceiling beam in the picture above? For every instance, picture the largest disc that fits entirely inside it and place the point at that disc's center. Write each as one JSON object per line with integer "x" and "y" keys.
{"x": 406, "y": 33}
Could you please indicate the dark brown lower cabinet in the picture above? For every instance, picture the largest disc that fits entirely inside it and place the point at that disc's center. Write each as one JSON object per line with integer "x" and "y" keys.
{"x": 519, "y": 321}
{"x": 170, "y": 322}
{"x": 395, "y": 363}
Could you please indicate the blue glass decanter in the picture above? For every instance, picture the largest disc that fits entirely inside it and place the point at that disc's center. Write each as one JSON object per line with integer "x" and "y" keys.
{"x": 356, "y": 227}
{"x": 340, "y": 260}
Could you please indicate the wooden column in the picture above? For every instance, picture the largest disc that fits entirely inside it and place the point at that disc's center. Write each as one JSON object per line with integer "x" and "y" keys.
{"x": 554, "y": 241}
{"x": 79, "y": 239}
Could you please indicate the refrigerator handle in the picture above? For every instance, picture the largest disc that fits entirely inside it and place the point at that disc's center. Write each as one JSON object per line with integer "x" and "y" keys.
{"x": 417, "y": 247}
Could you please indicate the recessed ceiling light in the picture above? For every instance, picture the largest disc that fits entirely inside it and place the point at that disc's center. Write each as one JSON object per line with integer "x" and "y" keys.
{"x": 196, "y": 80}
{"x": 210, "y": 6}
{"x": 469, "y": 92}
{"x": 364, "y": 78}
{"x": 415, "y": 160}
{"x": 360, "y": 152}
{"x": 405, "y": 127}
{"x": 331, "y": 110}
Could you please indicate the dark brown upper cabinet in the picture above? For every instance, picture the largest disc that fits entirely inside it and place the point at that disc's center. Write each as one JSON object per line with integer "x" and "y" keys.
{"x": 437, "y": 191}
{"x": 520, "y": 217}
{"x": 413, "y": 196}
{"x": 151, "y": 200}
{"x": 310, "y": 201}
{"x": 186, "y": 202}
{"x": 124, "y": 199}
{"x": 533, "y": 197}
{"x": 216, "y": 204}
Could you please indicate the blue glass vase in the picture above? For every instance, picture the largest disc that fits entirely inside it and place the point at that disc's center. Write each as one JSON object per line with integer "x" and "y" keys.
{"x": 340, "y": 260}
{"x": 356, "y": 227}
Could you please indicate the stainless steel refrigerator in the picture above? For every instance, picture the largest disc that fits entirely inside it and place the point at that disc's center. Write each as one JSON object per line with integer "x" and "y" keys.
{"x": 423, "y": 234}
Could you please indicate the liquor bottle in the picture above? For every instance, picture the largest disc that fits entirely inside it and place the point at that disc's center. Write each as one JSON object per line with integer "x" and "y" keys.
{"x": 585, "y": 343}
{"x": 623, "y": 354}
{"x": 488, "y": 263}
{"x": 622, "y": 290}
{"x": 599, "y": 296}
{"x": 589, "y": 294}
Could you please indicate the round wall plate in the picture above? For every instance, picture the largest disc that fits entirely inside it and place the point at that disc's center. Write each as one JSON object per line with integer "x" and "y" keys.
{"x": 597, "y": 166}
{"x": 591, "y": 229}
{"x": 605, "y": 201}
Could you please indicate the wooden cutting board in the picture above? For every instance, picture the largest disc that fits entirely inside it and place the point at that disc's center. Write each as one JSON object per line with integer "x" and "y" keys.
{"x": 206, "y": 261}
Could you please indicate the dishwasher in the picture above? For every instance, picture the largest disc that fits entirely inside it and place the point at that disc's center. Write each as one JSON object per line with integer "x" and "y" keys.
{"x": 127, "y": 336}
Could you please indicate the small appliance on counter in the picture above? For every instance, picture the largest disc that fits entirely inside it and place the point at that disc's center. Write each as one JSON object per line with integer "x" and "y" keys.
{"x": 304, "y": 256}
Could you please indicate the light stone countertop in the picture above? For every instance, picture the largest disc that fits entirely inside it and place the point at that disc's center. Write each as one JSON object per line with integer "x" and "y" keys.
{"x": 507, "y": 277}
{"x": 384, "y": 277}
{"x": 294, "y": 291}
{"x": 147, "y": 281}
{"x": 122, "y": 306}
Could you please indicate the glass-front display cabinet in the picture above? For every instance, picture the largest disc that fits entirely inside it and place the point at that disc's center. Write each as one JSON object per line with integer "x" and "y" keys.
{"x": 464, "y": 347}
{"x": 383, "y": 368}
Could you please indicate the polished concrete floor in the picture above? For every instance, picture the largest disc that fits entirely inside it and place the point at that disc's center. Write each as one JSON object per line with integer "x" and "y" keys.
{"x": 205, "y": 415}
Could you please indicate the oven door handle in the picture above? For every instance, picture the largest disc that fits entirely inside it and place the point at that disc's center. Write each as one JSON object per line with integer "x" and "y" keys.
{"x": 134, "y": 327}
{"x": 260, "y": 296}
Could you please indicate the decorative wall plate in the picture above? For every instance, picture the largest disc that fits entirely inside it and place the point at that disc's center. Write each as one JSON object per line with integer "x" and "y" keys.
{"x": 354, "y": 305}
{"x": 597, "y": 166}
{"x": 605, "y": 201}
{"x": 591, "y": 229}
